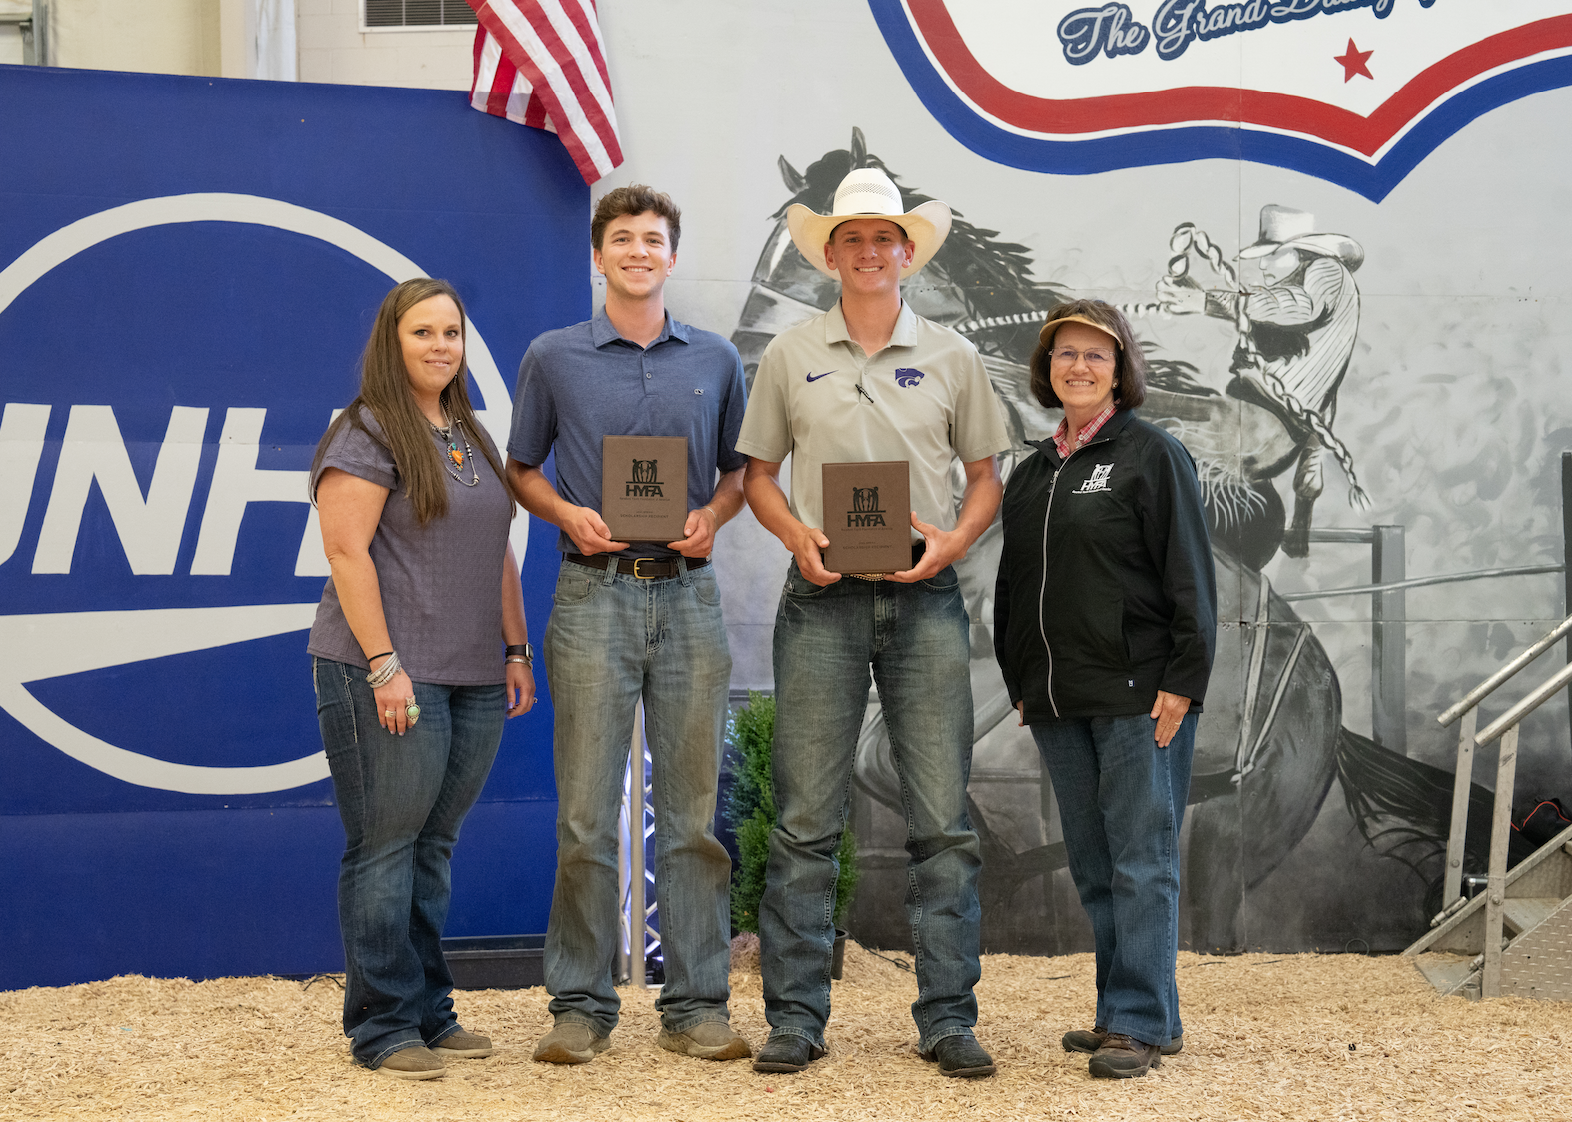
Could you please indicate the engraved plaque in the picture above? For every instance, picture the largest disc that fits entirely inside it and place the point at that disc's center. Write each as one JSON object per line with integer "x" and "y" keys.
{"x": 867, "y": 517}
{"x": 644, "y": 487}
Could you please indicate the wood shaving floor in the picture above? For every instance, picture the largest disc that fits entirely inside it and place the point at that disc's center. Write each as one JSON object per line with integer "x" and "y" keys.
{"x": 1266, "y": 1037}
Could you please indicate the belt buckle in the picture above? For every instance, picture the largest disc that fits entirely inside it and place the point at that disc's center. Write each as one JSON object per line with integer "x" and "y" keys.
{"x": 637, "y": 561}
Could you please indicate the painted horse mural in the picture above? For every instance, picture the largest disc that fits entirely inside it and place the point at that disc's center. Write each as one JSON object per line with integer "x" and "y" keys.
{"x": 1272, "y": 743}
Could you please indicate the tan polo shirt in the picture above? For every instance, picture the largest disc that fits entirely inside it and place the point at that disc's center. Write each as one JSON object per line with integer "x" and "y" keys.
{"x": 924, "y": 398}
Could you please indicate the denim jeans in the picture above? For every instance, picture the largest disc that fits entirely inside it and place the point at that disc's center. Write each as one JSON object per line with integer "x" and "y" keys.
{"x": 613, "y": 638}
{"x": 915, "y": 638}
{"x": 1121, "y": 800}
{"x": 402, "y": 800}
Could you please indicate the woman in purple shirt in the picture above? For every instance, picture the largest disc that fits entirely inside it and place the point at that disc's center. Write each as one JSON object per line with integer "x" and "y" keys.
{"x": 417, "y": 658}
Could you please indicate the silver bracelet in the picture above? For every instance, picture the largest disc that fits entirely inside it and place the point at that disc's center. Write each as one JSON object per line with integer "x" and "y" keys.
{"x": 517, "y": 658}
{"x": 383, "y": 674}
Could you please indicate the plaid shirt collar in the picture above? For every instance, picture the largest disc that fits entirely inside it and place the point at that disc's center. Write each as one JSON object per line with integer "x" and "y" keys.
{"x": 1061, "y": 438}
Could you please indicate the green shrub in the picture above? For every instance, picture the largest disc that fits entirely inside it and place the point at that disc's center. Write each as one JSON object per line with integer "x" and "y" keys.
{"x": 750, "y": 808}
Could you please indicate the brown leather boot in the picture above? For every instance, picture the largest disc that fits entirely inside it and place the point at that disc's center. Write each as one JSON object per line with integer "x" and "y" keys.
{"x": 1089, "y": 1040}
{"x": 1123, "y": 1057}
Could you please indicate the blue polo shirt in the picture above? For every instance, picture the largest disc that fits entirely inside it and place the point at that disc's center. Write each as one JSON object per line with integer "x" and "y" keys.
{"x": 581, "y": 383}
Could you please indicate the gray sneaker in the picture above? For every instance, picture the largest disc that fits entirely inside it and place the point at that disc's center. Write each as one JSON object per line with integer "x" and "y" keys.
{"x": 461, "y": 1045}
{"x": 708, "y": 1040}
{"x": 570, "y": 1042}
{"x": 412, "y": 1063}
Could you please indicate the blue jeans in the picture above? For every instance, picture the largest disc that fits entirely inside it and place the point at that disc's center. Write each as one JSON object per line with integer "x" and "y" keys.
{"x": 402, "y": 800}
{"x": 612, "y": 638}
{"x": 915, "y": 637}
{"x": 1121, "y": 801}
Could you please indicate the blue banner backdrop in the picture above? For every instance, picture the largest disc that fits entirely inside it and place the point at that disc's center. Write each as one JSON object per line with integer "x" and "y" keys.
{"x": 188, "y": 271}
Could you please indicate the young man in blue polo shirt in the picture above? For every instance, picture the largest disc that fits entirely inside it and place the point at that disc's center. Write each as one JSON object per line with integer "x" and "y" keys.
{"x": 631, "y": 622}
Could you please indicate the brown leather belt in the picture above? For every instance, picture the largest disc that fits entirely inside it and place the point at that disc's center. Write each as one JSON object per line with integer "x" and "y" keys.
{"x": 645, "y": 568}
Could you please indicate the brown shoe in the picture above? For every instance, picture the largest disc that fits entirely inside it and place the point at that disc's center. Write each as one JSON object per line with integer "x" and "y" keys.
{"x": 1089, "y": 1040}
{"x": 570, "y": 1042}
{"x": 707, "y": 1040}
{"x": 461, "y": 1045}
{"x": 412, "y": 1063}
{"x": 1123, "y": 1057}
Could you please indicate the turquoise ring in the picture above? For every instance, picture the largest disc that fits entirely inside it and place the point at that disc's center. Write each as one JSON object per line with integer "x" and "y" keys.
{"x": 412, "y": 711}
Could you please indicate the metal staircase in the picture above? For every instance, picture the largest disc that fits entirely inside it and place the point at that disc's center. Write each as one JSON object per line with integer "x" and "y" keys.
{"x": 1534, "y": 940}
{"x": 1514, "y": 939}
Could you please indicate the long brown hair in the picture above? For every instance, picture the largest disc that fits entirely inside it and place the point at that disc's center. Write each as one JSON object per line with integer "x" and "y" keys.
{"x": 1130, "y": 364}
{"x": 385, "y": 394}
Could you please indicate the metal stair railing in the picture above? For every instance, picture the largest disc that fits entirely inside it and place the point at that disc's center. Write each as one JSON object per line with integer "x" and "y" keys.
{"x": 1505, "y": 728}
{"x": 1468, "y": 710}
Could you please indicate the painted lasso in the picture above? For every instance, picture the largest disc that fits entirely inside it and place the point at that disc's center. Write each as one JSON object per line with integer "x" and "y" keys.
{"x": 1186, "y": 237}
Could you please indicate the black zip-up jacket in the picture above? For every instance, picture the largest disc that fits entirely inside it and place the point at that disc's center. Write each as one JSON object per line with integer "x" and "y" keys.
{"x": 1106, "y": 591}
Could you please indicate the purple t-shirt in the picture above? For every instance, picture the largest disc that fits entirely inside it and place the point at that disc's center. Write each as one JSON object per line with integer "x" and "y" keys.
{"x": 441, "y": 583}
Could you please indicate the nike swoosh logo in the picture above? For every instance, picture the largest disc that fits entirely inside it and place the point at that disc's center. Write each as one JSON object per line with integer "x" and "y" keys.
{"x": 816, "y": 377}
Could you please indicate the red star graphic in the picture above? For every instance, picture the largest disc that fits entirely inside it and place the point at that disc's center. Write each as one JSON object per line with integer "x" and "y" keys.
{"x": 1354, "y": 62}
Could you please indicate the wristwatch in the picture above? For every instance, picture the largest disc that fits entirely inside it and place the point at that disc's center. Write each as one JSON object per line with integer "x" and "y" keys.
{"x": 520, "y": 652}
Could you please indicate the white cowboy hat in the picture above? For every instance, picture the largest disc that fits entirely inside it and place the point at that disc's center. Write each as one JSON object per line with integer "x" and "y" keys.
{"x": 1286, "y": 228}
{"x": 869, "y": 193}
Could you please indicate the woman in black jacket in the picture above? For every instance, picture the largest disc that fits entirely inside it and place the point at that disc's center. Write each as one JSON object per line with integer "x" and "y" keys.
{"x": 1105, "y": 623}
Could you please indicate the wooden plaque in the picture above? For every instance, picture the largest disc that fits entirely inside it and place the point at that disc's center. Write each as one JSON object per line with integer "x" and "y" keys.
{"x": 867, "y": 517}
{"x": 644, "y": 487}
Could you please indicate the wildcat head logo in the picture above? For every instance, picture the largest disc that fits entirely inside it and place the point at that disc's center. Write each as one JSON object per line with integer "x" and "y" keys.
{"x": 645, "y": 482}
{"x": 865, "y": 509}
{"x": 906, "y": 377}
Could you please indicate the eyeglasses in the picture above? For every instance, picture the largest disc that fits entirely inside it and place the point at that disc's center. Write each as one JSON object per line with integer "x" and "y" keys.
{"x": 1093, "y": 358}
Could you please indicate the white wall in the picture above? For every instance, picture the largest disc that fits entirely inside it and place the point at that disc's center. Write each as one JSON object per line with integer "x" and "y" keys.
{"x": 10, "y": 44}
{"x": 220, "y": 37}
{"x": 155, "y": 36}
{"x": 334, "y": 49}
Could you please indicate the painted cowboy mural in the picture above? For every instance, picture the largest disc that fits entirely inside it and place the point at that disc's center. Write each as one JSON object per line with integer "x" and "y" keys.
{"x": 1296, "y": 334}
{"x": 1276, "y": 743}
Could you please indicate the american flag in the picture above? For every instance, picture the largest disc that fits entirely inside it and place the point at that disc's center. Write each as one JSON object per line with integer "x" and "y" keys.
{"x": 541, "y": 63}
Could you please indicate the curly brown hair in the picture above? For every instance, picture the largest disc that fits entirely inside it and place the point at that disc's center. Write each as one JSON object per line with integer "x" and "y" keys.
{"x": 1129, "y": 366}
{"x": 636, "y": 198}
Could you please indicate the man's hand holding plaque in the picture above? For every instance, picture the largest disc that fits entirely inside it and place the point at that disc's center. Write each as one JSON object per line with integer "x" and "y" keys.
{"x": 644, "y": 488}
{"x": 868, "y": 517}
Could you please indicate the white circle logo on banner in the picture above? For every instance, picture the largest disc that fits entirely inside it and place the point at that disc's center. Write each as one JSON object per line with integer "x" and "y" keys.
{"x": 41, "y": 646}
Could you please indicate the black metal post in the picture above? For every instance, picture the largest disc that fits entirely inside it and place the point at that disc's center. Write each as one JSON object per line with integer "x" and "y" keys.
{"x": 1388, "y": 671}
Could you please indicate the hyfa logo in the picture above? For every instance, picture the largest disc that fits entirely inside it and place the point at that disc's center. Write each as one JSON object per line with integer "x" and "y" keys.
{"x": 137, "y": 548}
{"x": 865, "y": 509}
{"x": 1097, "y": 481}
{"x": 645, "y": 483}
